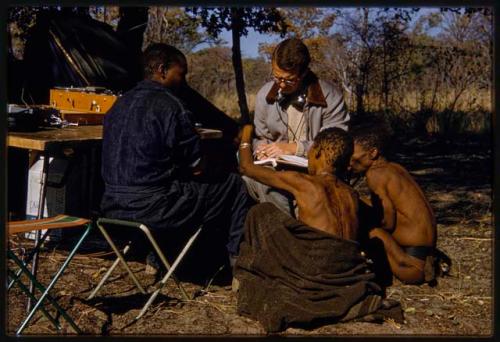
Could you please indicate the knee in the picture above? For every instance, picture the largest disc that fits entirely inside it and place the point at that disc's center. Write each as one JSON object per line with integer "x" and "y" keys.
{"x": 410, "y": 275}
{"x": 413, "y": 280}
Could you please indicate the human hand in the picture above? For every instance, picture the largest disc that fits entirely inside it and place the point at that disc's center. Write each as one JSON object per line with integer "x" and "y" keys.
{"x": 273, "y": 150}
{"x": 374, "y": 233}
{"x": 259, "y": 152}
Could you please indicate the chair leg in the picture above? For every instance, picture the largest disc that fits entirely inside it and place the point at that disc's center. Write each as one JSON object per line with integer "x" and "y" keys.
{"x": 45, "y": 296}
{"x": 170, "y": 271}
{"x": 163, "y": 259}
{"x": 121, "y": 258}
{"x": 53, "y": 282}
{"x": 34, "y": 251}
{"x": 27, "y": 292}
{"x": 108, "y": 273}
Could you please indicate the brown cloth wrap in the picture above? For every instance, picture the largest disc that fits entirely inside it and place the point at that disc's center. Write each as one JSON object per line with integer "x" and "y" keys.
{"x": 291, "y": 273}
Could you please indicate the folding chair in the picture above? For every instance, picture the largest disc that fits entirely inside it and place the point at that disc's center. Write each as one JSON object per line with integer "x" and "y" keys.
{"x": 104, "y": 223}
{"x": 57, "y": 222}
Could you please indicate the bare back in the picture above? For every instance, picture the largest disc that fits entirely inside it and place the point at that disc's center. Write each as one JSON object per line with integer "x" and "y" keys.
{"x": 399, "y": 196}
{"x": 328, "y": 204}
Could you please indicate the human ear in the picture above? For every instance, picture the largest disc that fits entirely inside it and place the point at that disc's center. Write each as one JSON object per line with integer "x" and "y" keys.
{"x": 374, "y": 153}
{"x": 161, "y": 70}
{"x": 317, "y": 153}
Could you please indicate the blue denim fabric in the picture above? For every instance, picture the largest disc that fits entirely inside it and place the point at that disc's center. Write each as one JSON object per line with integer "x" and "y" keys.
{"x": 148, "y": 137}
{"x": 149, "y": 142}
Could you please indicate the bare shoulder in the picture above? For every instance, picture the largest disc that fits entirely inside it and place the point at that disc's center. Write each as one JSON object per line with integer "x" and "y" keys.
{"x": 300, "y": 181}
{"x": 379, "y": 175}
{"x": 398, "y": 168}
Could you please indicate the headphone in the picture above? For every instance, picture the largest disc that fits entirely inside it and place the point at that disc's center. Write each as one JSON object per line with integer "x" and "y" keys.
{"x": 298, "y": 101}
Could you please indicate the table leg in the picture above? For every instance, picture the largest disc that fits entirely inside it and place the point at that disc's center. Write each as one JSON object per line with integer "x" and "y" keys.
{"x": 41, "y": 205}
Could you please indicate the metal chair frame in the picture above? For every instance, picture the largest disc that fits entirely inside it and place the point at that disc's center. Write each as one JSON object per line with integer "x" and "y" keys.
{"x": 103, "y": 222}
{"x": 58, "y": 222}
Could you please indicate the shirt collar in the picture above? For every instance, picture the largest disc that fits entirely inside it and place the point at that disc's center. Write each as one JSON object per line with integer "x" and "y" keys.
{"x": 314, "y": 93}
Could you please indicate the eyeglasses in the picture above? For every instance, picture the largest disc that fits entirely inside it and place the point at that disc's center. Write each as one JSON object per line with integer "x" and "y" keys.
{"x": 279, "y": 80}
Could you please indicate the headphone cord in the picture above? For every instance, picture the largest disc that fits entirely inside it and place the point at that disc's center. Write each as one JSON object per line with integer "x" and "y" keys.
{"x": 278, "y": 107}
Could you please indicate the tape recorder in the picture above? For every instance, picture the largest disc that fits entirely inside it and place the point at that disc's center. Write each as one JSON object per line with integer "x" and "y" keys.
{"x": 85, "y": 106}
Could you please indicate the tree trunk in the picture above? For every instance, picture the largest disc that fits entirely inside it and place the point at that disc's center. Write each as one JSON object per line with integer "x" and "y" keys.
{"x": 238, "y": 65}
{"x": 434, "y": 94}
{"x": 360, "y": 109}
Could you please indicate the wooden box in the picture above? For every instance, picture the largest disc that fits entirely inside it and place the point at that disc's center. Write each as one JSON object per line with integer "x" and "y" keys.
{"x": 81, "y": 106}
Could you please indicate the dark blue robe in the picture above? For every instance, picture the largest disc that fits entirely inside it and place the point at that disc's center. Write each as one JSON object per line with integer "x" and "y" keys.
{"x": 149, "y": 145}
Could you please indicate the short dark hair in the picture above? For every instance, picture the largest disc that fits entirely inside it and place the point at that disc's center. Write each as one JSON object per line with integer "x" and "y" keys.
{"x": 374, "y": 133}
{"x": 337, "y": 145}
{"x": 159, "y": 53}
{"x": 292, "y": 54}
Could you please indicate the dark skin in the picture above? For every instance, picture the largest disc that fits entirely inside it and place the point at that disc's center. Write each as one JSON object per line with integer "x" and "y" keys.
{"x": 408, "y": 219}
{"x": 324, "y": 201}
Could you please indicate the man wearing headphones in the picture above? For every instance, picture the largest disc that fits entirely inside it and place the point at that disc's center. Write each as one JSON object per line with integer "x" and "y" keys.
{"x": 290, "y": 111}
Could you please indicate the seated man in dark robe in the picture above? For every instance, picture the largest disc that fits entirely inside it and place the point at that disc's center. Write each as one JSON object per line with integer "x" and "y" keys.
{"x": 152, "y": 165}
{"x": 310, "y": 270}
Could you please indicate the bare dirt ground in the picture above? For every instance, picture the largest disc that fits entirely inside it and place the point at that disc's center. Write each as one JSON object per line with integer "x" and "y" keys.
{"x": 457, "y": 178}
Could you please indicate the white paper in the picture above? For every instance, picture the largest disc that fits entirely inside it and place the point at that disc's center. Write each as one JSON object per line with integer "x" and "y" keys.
{"x": 267, "y": 161}
{"x": 300, "y": 161}
{"x": 285, "y": 159}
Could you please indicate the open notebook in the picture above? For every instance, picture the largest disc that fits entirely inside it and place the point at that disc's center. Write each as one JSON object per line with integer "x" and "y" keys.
{"x": 283, "y": 159}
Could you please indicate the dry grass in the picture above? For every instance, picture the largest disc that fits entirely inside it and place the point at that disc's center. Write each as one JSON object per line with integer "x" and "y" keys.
{"x": 228, "y": 103}
{"x": 472, "y": 113}
{"x": 472, "y": 100}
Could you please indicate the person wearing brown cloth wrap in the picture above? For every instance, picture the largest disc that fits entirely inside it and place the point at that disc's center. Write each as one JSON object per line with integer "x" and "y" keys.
{"x": 308, "y": 271}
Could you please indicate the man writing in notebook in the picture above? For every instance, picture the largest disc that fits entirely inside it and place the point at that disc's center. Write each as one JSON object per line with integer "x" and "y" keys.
{"x": 290, "y": 110}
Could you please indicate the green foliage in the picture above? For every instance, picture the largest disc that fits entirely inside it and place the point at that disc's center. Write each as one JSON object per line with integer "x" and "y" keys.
{"x": 238, "y": 20}
{"x": 171, "y": 25}
{"x": 382, "y": 58}
{"x": 257, "y": 71}
{"x": 211, "y": 72}
{"x": 23, "y": 17}
{"x": 215, "y": 19}
{"x": 308, "y": 22}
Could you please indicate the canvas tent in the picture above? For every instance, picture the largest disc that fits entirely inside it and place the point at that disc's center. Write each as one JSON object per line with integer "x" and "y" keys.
{"x": 75, "y": 51}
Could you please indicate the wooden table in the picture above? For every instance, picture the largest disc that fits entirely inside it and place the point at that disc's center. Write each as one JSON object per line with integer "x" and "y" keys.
{"x": 51, "y": 140}
{"x": 55, "y": 137}
{"x": 209, "y": 133}
{"x": 48, "y": 139}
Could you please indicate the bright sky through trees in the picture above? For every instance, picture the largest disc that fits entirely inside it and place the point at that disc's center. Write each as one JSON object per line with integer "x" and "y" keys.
{"x": 250, "y": 43}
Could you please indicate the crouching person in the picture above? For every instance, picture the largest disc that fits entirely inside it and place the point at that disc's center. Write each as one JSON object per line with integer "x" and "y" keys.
{"x": 407, "y": 229}
{"x": 307, "y": 271}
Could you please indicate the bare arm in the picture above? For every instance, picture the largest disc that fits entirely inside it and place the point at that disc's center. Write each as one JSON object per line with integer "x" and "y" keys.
{"x": 290, "y": 181}
{"x": 379, "y": 183}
